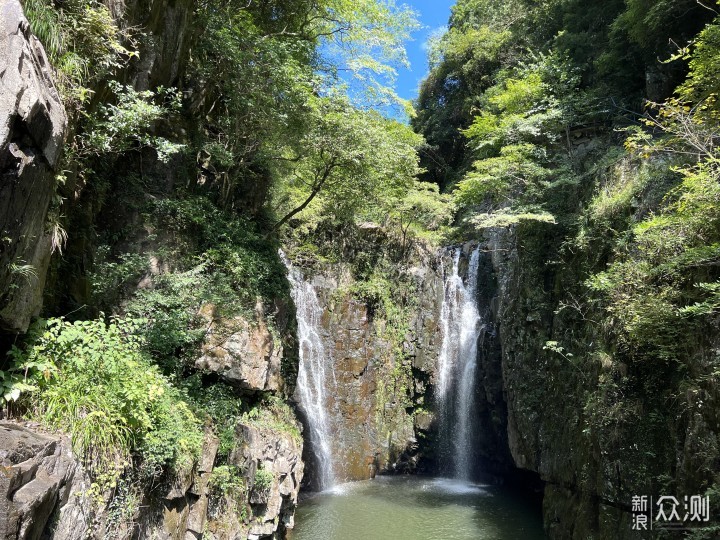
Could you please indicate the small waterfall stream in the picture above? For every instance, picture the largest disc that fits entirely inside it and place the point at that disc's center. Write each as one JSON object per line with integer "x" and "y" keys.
{"x": 313, "y": 372}
{"x": 457, "y": 363}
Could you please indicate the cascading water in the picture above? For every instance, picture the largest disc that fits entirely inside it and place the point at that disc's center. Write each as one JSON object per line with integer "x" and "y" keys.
{"x": 313, "y": 372}
{"x": 457, "y": 363}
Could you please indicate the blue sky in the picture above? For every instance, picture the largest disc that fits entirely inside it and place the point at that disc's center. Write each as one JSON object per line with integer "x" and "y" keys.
{"x": 434, "y": 15}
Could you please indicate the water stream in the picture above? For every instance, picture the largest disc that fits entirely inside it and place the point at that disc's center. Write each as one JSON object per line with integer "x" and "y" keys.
{"x": 457, "y": 364}
{"x": 313, "y": 372}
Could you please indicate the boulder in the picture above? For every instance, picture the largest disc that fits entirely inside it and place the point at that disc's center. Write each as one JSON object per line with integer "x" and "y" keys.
{"x": 242, "y": 353}
{"x": 42, "y": 483}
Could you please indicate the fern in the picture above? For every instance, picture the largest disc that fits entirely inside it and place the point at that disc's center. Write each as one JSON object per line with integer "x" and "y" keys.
{"x": 45, "y": 23}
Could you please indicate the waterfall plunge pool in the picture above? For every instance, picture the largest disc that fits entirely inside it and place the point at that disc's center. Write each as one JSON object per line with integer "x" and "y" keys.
{"x": 416, "y": 508}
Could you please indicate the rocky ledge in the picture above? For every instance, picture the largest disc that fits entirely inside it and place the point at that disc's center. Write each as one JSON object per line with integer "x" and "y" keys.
{"x": 45, "y": 491}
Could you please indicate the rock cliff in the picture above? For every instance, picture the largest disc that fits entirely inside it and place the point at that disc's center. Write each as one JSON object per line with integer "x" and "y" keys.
{"x": 32, "y": 130}
{"x": 41, "y": 486}
{"x": 379, "y": 396}
{"x": 46, "y": 492}
{"x": 382, "y": 403}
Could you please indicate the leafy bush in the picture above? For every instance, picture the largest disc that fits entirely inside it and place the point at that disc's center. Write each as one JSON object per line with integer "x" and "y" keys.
{"x": 170, "y": 311}
{"x": 104, "y": 392}
{"x": 228, "y": 492}
{"x": 275, "y": 414}
{"x": 110, "y": 277}
{"x": 227, "y": 480}
{"x": 82, "y": 40}
{"x": 126, "y": 124}
{"x": 263, "y": 480}
{"x": 227, "y": 245}
{"x": 220, "y": 402}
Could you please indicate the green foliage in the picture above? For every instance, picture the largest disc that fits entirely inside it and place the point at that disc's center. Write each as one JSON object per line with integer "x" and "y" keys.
{"x": 175, "y": 440}
{"x": 228, "y": 493}
{"x": 502, "y": 218}
{"x": 110, "y": 278}
{"x": 45, "y": 24}
{"x": 222, "y": 404}
{"x": 13, "y": 383}
{"x": 123, "y": 508}
{"x": 515, "y": 137}
{"x": 226, "y": 480}
{"x": 651, "y": 287}
{"x": 367, "y": 39}
{"x": 650, "y": 23}
{"x": 263, "y": 480}
{"x": 263, "y": 70}
{"x": 118, "y": 127}
{"x": 83, "y": 42}
{"x": 23, "y": 372}
{"x": 226, "y": 244}
{"x": 255, "y": 84}
{"x": 171, "y": 308}
{"x": 216, "y": 265}
{"x": 347, "y": 162}
{"x": 102, "y": 390}
{"x": 275, "y": 414}
{"x": 420, "y": 212}
{"x": 662, "y": 281}
{"x": 702, "y": 81}
{"x": 512, "y": 173}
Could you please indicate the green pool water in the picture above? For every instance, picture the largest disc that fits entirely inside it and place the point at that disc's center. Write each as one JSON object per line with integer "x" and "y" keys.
{"x": 412, "y": 508}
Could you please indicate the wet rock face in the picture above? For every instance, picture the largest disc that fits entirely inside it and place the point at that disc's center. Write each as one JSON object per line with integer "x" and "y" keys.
{"x": 242, "y": 353}
{"x": 32, "y": 129}
{"x": 377, "y": 425}
{"x": 41, "y": 486}
{"x": 353, "y": 398}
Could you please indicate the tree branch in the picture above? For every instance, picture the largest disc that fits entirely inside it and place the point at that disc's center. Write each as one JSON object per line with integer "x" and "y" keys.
{"x": 317, "y": 186}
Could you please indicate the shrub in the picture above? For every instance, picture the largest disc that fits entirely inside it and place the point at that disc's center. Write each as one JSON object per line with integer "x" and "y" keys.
{"x": 275, "y": 414}
{"x": 226, "y": 480}
{"x": 263, "y": 480}
{"x": 228, "y": 493}
{"x": 104, "y": 392}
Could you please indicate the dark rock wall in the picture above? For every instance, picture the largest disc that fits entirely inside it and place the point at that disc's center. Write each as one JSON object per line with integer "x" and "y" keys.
{"x": 32, "y": 130}
{"x": 594, "y": 427}
{"x": 587, "y": 495}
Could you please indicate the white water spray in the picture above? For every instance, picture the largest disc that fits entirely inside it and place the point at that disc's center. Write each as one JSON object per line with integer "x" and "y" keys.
{"x": 457, "y": 364}
{"x": 313, "y": 372}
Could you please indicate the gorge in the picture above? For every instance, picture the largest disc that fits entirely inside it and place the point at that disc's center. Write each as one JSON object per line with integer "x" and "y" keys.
{"x": 248, "y": 292}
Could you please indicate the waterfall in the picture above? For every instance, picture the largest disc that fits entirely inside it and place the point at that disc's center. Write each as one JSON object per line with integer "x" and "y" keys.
{"x": 313, "y": 371}
{"x": 457, "y": 363}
